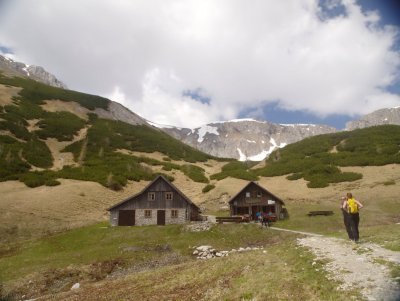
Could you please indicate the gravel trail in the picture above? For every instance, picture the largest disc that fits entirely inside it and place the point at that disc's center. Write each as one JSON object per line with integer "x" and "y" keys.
{"x": 362, "y": 266}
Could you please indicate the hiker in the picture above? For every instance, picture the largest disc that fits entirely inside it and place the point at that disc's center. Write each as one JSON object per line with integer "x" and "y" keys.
{"x": 352, "y": 206}
{"x": 346, "y": 217}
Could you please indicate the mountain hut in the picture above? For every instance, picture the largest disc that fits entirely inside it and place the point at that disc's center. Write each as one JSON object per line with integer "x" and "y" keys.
{"x": 253, "y": 198}
{"x": 159, "y": 203}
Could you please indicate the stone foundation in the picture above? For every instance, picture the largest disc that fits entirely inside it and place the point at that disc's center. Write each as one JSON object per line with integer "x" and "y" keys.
{"x": 141, "y": 220}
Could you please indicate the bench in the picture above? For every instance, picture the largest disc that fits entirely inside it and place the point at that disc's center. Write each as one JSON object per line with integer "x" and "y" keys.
{"x": 230, "y": 219}
{"x": 322, "y": 212}
{"x": 272, "y": 218}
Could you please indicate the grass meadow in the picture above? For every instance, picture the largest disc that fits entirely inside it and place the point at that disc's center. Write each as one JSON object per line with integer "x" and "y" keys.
{"x": 116, "y": 262}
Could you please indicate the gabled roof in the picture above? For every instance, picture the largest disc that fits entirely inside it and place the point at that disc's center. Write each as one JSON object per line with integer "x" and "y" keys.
{"x": 262, "y": 188}
{"x": 144, "y": 189}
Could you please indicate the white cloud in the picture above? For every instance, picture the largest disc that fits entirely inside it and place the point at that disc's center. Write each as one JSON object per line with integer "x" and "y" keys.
{"x": 145, "y": 54}
{"x": 117, "y": 95}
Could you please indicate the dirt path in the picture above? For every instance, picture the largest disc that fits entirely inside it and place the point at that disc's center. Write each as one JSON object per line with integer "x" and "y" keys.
{"x": 362, "y": 266}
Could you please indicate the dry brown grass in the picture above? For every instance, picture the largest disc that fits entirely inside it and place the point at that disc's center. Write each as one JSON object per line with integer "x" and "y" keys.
{"x": 66, "y": 106}
{"x": 31, "y": 212}
{"x": 61, "y": 159}
{"x": 191, "y": 189}
{"x": 32, "y": 125}
{"x": 7, "y": 93}
{"x": 27, "y": 212}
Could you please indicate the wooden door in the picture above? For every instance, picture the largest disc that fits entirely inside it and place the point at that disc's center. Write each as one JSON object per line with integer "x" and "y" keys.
{"x": 160, "y": 217}
{"x": 126, "y": 217}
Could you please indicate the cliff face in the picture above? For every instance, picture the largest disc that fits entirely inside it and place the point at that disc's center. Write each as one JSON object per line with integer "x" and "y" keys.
{"x": 379, "y": 117}
{"x": 245, "y": 139}
{"x": 34, "y": 72}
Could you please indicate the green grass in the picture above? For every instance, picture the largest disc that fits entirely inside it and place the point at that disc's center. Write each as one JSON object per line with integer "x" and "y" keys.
{"x": 194, "y": 172}
{"x": 37, "y": 153}
{"x": 11, "y": 163}
{"x": 386, "y": 235}
{"x": 100, "y": 242}
{"x": 327, "y": 225}
{"x": 60, "y": 125}
{"x": 235, "y": 169}
{"x": 377, "y": 222}
{"x": 256, "y": 273}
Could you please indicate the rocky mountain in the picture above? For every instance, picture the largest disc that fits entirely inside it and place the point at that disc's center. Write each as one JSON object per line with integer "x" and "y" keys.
{"x": 37, "y": 73}
{"x": 379, "y": 117}
{"x": 245, "y": 139}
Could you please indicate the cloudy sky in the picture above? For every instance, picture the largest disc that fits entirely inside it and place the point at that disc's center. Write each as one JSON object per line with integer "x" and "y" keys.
{"x": 187, "y": 62}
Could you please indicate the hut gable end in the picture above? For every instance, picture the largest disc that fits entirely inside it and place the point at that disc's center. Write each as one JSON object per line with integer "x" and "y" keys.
{"x": 254, "y": 198}
{"x": 160, "y": 202}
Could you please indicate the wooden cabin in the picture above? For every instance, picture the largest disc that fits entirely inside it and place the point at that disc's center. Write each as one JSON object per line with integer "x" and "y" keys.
{"x": 160, "y": 203}
{"x": 253, "y": 198}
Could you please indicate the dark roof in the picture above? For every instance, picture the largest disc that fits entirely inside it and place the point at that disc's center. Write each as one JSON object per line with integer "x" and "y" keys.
{"x": 144, "y": 189}
{"x": 262, "y": 188}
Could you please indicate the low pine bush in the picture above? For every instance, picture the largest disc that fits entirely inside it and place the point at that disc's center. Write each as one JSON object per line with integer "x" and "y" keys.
{"x": 207, "y": 188}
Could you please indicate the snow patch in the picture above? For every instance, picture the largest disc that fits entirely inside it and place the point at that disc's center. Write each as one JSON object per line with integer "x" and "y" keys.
{"x": 298, "y": 124}
{"x": 264, "y": 154}
{"x": 238, "y": 120}
{"x": 273, "y": 142}
{"x": 161, "y": 126}
{"x": 26, "y": 69}
{"x": 261, "y": 156}
{"x": 241, "y": 155}
{"x": 241, "y": 120}
{"x": 250, "y": 141}
{"x": 204, "y": 130}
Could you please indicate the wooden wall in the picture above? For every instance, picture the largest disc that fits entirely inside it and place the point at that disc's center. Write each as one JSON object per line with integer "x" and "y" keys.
{"x": 142, "y": 201}
{"x": 258, "y": 197}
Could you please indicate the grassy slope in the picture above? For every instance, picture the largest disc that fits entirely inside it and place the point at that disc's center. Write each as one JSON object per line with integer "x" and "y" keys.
{"x": 317, "y": 159}
{"x": 96, "y": 154}
{"x": 83, "y": 254}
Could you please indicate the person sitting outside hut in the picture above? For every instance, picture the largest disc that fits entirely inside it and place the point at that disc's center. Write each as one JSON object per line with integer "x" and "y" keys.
{"x": 258, "y": 216}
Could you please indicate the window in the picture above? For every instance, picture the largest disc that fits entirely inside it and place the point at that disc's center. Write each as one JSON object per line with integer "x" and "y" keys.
{"x": 168, "y": 195}
{"x": 247, "y": 194}
{"x": 174, "y": 213}
{"x": 259, "y": 194}
{"x": 147, "y": 213}
{"x": 151, "y": 196}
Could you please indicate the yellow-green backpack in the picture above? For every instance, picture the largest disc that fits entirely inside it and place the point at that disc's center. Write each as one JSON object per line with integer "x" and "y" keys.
{"x": 352, "y": 206}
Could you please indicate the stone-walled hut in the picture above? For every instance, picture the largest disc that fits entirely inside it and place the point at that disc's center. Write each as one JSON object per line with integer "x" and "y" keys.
{"x": 253, "y": 198}
{"x": 160, "y": 203}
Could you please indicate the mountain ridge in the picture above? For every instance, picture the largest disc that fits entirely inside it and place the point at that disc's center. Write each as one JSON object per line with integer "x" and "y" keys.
{"x": 241, "y": 139}
{"x": 245, "y": 139}
{"x": 378, "y": 117}
{"x": 37, "y": 73}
